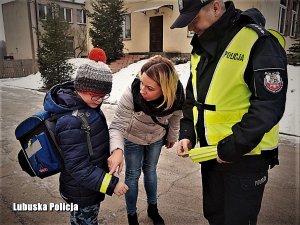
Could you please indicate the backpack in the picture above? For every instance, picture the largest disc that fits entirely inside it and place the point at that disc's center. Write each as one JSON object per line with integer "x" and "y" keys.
{"x": 40, "y": 154}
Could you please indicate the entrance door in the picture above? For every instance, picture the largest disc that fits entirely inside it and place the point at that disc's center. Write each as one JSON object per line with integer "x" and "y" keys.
{"x": 156, "y": 34}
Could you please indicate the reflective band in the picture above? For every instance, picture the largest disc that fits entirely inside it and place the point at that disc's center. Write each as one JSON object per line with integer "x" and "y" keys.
{"x": 203, "y": 154}
{"x": 105, "y": 183}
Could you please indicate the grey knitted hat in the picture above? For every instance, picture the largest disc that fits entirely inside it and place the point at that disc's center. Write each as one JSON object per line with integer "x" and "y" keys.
{"x": 94, "y": 77}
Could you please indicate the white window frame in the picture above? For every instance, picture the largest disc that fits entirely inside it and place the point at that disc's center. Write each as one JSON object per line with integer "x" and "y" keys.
{"x": 282, "y": 18}
{"x": 44, "y": 8}
{"x": 65, "y": 14}
{"x": 70, "y": 41}
{"x": 126, "y": 27}
{"x": 294, "y": 20}
{"x": 81, "y": 18}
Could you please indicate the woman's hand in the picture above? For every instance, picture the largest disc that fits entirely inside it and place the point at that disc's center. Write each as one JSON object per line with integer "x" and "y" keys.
{"x": 115, "y": 161}
{"x": 169, "y": 144}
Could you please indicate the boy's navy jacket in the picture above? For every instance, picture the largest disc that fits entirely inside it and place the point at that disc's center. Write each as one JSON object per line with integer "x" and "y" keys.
{"x": 82, "y": 177}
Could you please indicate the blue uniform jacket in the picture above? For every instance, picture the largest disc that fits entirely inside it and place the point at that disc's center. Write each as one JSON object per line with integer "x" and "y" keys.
{"x": 82, "y": 177}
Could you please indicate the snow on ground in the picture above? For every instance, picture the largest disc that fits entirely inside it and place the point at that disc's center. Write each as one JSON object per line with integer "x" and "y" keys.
{"x": 289, "y": 124}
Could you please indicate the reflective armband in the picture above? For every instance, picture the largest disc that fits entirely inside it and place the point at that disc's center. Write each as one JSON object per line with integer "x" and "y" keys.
{"x": 203, "y": 154}
{"x": 105, "y": 183}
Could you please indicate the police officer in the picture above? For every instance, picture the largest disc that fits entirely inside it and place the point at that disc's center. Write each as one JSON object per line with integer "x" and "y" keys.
{"x": 235, "y": 98}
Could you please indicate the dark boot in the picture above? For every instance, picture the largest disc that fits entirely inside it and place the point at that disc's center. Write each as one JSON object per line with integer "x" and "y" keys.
{"x": 154, "y": 215}
{"x": 132, "y": 219}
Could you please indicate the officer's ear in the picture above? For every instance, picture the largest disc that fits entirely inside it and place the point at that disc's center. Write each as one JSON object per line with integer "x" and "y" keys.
{"x": 218, "y": 8}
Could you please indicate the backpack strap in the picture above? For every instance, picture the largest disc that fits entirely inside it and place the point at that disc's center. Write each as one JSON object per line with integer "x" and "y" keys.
{"x": 83, "y": 116}
{"x": 50, "y": 123}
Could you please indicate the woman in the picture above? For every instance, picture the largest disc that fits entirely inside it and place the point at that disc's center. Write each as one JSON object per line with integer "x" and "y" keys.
{"x": 156, "y": 95}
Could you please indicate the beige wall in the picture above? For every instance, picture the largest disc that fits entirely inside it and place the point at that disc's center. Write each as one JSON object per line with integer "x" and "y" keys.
{"x": 20, "y": 23}
{"x": 177, "y": 40}
{"x": 74, "y": 29}
{"x": 140, "y": 37}
{"x": 17, "y": 30}
{"x": 270, "y": 10}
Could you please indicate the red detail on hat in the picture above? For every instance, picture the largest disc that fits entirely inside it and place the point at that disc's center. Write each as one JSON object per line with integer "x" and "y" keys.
{"x": 97, "y": 54}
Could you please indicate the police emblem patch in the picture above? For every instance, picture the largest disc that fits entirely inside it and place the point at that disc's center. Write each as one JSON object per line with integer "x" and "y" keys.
{"x": 273, "y": 81}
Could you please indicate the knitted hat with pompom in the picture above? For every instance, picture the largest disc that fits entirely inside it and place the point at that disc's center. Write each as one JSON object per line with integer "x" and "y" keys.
{"x": 94, "y": 77}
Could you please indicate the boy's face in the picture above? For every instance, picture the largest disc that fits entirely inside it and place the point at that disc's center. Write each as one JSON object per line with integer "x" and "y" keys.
{"x": 92, "y": 99}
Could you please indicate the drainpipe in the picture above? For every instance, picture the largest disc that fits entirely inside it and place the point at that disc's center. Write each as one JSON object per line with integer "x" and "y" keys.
{"x": 37, "y": 24}
{"x": 34, "y": 66}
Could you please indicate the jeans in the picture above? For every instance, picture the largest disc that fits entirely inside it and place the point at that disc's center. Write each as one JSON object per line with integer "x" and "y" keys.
{"x": 138, "y": 158}
{"x": 85, "y": 215}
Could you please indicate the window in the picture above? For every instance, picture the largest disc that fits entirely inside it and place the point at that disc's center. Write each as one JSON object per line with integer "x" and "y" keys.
{"x": 70, "y": 46}
{"x": 42, "y": 12}
{"x": 127, "y": 27}
{"x": 66, "y": 14}
{"x": 81, "y": 17}
{"x": 282, "y": 16}
{"x": 294, "y": 19}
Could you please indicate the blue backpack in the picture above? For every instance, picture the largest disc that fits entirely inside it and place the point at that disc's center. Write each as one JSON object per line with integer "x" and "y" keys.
{"x": 40, "y": 154}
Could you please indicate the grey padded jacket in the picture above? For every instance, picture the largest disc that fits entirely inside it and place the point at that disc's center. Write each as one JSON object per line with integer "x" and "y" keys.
{"x": 137, "y": 127}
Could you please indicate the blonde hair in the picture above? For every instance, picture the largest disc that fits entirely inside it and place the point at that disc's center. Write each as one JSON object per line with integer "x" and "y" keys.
{"x": 162, "y": 71}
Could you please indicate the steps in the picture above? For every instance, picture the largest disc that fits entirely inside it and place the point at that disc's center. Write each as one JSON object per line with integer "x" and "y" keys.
{"x": 126, "y": 60}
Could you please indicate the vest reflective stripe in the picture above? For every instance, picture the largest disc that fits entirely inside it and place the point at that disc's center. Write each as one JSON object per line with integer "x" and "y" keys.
{"x": 230, "y": 108}
{"x": 279, "y": 37}
{"x": 194, "y": 62}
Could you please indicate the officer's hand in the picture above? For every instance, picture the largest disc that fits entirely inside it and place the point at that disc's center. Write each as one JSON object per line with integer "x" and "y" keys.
{"x": 183, "y": 147}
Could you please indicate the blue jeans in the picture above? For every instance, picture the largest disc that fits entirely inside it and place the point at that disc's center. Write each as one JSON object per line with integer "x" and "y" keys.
{"x": 138, "y": 158}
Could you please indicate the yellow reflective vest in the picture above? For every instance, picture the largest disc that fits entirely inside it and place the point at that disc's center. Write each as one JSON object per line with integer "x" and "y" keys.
{"x": 229, "y": 93}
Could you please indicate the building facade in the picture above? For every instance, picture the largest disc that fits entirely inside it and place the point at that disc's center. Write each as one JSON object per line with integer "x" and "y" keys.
{"x": 22, "y": 21}
{"x": 147, "y": 24}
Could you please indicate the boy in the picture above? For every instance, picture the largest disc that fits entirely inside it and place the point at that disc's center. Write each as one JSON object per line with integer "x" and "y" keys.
{"x": 85, "y": 180}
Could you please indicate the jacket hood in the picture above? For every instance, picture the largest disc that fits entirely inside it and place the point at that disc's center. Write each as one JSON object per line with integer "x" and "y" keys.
{"x": 253, "y": 15}
{"x": 62, "y": 98}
